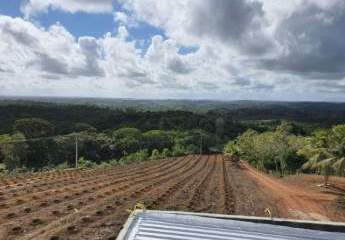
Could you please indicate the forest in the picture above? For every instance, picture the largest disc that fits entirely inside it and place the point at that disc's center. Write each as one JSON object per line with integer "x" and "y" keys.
{"x": 278, "y": 137}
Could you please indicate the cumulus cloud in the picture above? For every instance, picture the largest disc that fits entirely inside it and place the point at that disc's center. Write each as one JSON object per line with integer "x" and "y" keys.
{"x": 54, "y": 51}
{"x": 49, "y": 64}
{"x": 316, "y": 51}
{"x": 165, "y": 54}
{"x": 32, "y": 7}
{"x": 238, "y": 23}
{"x": 241, "y": 48}
{"x": 91, "y": 51}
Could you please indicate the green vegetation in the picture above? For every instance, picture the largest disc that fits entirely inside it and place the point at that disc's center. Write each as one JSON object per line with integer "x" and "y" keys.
{"x": 286, "y": 151}
{"x": 36, "y": 135}
{"x": 33, "y": 146}
{"x": 325, "y": 151}
{"x": 13, "y": 153}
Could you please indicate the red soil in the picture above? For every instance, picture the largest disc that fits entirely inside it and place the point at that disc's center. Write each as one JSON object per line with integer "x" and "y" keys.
{"x": 92, "y": 204}
{"x": 297, "y": 200}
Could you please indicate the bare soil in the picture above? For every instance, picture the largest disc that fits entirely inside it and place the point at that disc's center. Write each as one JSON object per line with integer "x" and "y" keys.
{"x": 300, "y": 197}
{"x": 93, "y": 204}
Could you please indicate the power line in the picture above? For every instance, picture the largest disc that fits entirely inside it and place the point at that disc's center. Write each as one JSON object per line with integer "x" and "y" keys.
{"x": 38, "y": 139}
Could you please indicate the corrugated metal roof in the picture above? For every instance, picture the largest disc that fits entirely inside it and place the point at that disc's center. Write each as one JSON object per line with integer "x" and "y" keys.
{"x": 154, "y": 225}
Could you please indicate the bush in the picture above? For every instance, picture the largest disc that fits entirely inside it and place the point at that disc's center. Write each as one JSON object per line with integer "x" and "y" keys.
{"x": 155, "y": 155}
{"x": 114, "y": 162}
{"x": 83, "y": 163}
{"x": 62, "y": 166}
{"x": 135, "y": 157}
{"x": 104, "y": 165}
{"x": 166, "y": 153}
{"x": 178, "y": 151}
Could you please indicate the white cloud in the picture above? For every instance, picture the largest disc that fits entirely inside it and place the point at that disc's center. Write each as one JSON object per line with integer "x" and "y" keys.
{"x": 245, "y": 49}
{"x": 32, "y": 7}
{"x": 124, "y": 19}
{"x": 48, "y": 51}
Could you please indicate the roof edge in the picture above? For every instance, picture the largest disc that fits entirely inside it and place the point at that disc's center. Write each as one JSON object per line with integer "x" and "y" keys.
{"x": 305, "y": 224}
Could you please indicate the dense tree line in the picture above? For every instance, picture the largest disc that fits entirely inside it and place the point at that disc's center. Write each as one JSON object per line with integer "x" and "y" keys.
{"x": 286, "y": 150}
{"x": 40, "y": 135}
{"x": 200, "y": 114}
{"x": 71, "y": 118}
{"x": 33, "y": 144}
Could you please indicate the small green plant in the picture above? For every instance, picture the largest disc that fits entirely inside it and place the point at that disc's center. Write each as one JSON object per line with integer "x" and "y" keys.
{"x": 114, "y": 162}
{"x": 155, "y": 155}
{"x": 83, "y": 163}
{"x": 104, "y": 165}
{"x": 62, "y": 166}
{"x": 166, "y": 153}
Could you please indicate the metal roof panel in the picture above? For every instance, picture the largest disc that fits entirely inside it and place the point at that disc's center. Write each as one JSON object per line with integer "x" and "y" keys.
{"x": 157, "y": 225}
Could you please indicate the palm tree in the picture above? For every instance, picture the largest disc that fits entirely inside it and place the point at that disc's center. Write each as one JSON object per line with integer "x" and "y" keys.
{"x": 316, "y": 152}
{"x": 325, "y": 152}
{"x": 337, "y": 150}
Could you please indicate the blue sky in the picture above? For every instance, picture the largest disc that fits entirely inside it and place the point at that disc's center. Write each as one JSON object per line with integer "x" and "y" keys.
{"x": 80, "y": 23}
{"x": 10, "y": 8}
{"x": 213, "y": 49}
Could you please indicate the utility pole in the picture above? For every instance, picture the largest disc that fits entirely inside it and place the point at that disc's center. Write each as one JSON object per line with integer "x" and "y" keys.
{"x": 200, "y": 143}
{"x": 76, "y": 151}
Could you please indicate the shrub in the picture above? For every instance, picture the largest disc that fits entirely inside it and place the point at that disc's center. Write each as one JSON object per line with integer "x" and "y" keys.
{"x": 83, "y": 163}
{"x": 136, "y": 157}
{"x": 104, "y": 165}
{"x": 62, "y": 166}
{"x": 155, "y": 155}
{"x": 178, "y": 150}
{"x": 166, "y": 153}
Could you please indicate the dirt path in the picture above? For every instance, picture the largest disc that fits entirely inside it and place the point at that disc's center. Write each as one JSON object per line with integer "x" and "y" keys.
{"x": 293, "y": 201}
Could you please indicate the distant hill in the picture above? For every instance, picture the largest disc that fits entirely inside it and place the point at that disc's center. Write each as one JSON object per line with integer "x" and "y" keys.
{"x": 180, "y": 105}
{"x": 164, "y": 114}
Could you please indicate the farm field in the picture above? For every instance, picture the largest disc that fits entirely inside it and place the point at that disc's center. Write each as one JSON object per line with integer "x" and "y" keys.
{"x": 93, "y": 204}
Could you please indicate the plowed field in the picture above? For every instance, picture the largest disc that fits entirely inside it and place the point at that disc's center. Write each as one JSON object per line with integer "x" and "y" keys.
{"x": 92, "y": 204}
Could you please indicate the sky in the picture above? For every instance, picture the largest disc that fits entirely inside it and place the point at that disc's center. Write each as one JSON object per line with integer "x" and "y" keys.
{"x": 183, "y": 49}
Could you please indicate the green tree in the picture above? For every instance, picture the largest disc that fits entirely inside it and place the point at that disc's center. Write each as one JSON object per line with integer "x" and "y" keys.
{"x": 34, "y": 127}
{"x": 337, "y": 149}
{"x": 316, "y": 151}
{"x": 273, "y": 150}
{"x": 40, "y": 151}
{"x": 126, "y": 141}
{"x": 14, "y": 150}
{"x": 81, "y": 127}
{"x": 157, "y": 139}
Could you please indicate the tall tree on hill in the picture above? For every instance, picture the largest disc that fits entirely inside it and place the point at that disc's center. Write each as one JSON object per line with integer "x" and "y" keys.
{"x": 34, "y": 127}
{"x": 40, "y": 151}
